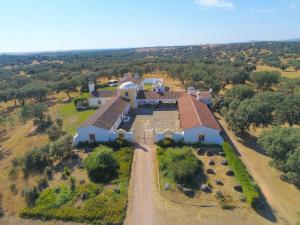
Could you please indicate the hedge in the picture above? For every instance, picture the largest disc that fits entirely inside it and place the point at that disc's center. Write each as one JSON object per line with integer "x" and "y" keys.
{"x": 250, "y": 189}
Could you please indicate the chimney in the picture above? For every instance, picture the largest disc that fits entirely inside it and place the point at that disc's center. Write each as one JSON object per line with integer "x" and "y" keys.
{"x": 198, "y": 96}
{"x": 91, "y": 86}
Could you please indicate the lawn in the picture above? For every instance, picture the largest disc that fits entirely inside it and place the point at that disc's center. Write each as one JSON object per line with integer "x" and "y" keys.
{"x": 87, "y": 202}
{"x": 73, "y": 118}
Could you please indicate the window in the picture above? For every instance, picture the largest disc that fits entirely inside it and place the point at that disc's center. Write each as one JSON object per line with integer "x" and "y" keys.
{"x": 126, "y": 94}
{"x": 99, "y": 102}
{"x": 92, "y": 137}
{"x": 201, "y": 137}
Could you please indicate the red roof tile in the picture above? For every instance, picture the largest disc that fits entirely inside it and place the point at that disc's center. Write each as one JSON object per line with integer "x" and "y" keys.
{"x": 156, "y": 96}
{"x": 194, "y": 113}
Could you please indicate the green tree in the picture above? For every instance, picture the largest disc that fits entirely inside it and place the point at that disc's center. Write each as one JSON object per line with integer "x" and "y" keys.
{"x": 289, "y": 109}
{"x": 101, "y": 164}
{"x": 61, "y": 147}
{"x": 264, "y": 80}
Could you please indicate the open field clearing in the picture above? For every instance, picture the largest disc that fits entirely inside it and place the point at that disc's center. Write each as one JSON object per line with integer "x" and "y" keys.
{"x": 18, "y": 138}
{"x": 173, "y": 84}
{"x": 289, "y": 73}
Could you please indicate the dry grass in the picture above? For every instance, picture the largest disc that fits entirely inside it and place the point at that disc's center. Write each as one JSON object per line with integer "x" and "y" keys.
{"x": 202, "y": 198}
{"x": 173, "y": 84}
{"x": 283, "y": 197}
{"x": 16, "y": 140}
{"x": 289, "y": 73}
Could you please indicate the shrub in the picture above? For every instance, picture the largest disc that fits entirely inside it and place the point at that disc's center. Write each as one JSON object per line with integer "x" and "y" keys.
{"x": 49, "y": 172}
{"x": 101, "y": 164}
{"x": 166, "y": 142}
{"x": 53, "y": 132}
{"x": 30, "y": 195}
{"x": 72, "y": 183}
{"x": 250, "y": 189}
{"x": 42, "y": 184}
{"x": 62, "y": 147}
{"x": 36, "y": 160}
{"x": 180, "y": 164}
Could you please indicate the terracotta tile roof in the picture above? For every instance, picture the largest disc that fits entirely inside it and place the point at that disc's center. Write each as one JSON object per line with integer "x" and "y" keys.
{"x": 154, "y": 95}
{"x": 194, "y": 113}
{"x": 106, "y": 116}
{"x": 204, "y": 94}
{"x": 105, "y": 93}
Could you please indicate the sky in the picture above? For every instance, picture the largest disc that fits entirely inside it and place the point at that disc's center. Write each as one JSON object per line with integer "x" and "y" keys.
{"x": 50, "y": 25}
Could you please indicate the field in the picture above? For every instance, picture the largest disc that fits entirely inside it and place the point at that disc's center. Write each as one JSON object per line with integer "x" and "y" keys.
{"x": 173, "y": 84}
{"x": 289, "y": 73}
{"x": 17, "y": 138}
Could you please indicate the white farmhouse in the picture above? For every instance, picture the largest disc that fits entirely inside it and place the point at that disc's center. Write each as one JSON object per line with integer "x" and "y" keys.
{"x": 197, "y": 121}
{"x": 103, "y": 124}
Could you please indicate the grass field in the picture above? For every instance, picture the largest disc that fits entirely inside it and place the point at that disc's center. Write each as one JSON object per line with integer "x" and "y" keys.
{"x": 73, "y": 118}
{"x": 173, "y": 84}
{"x": 289, "y": 74}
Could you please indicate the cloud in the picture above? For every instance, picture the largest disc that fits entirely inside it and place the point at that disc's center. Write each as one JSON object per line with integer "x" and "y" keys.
{"x": 215, "y": 3}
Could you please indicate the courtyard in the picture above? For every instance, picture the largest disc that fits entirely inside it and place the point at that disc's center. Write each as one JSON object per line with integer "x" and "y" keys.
{"x": 147, "y": 119}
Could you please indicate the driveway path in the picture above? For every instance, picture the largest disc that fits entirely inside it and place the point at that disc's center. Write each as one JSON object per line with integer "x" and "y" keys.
{"x": 141, "y": 206}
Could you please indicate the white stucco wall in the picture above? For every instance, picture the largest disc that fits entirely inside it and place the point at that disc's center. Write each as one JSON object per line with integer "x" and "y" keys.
{"x": 212, "y": 136}
{"x": 176, "y": 136}
{"x": 94, "y": 101}
{"x": 101, "y": 135}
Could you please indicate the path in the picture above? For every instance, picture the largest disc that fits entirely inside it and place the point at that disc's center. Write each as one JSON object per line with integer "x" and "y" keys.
{"x": 284, "y": 198}
{"x": 141, "y": 207}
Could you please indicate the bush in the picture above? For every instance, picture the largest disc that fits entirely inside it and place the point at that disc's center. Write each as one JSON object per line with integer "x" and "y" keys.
{"x": 36, "y": 160}
{"x": 62, "y": 147}
{"x": 101, "y": 164}
{"x": 30, "y": 195}
{"x": 180, "y": 164}
{"x": 53, "y": 132}
{"x": 42, "y": 184}
{"x": 166, "y": 142}
{"x": 250, "y": 189}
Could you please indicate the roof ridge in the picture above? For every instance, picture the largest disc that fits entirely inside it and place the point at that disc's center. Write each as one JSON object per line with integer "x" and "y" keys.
{"x": 196, "y": 112}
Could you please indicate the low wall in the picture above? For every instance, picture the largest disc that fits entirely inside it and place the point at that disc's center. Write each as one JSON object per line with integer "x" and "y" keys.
{"x": 176, "y": 136}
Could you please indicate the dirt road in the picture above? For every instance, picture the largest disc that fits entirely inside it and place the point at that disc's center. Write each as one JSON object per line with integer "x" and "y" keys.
{"x": 284, "y": 198}
{"x": 141, "y": 207}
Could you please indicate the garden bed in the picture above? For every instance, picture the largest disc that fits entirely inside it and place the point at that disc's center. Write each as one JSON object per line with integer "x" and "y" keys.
{"x": 101, "y": 203}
